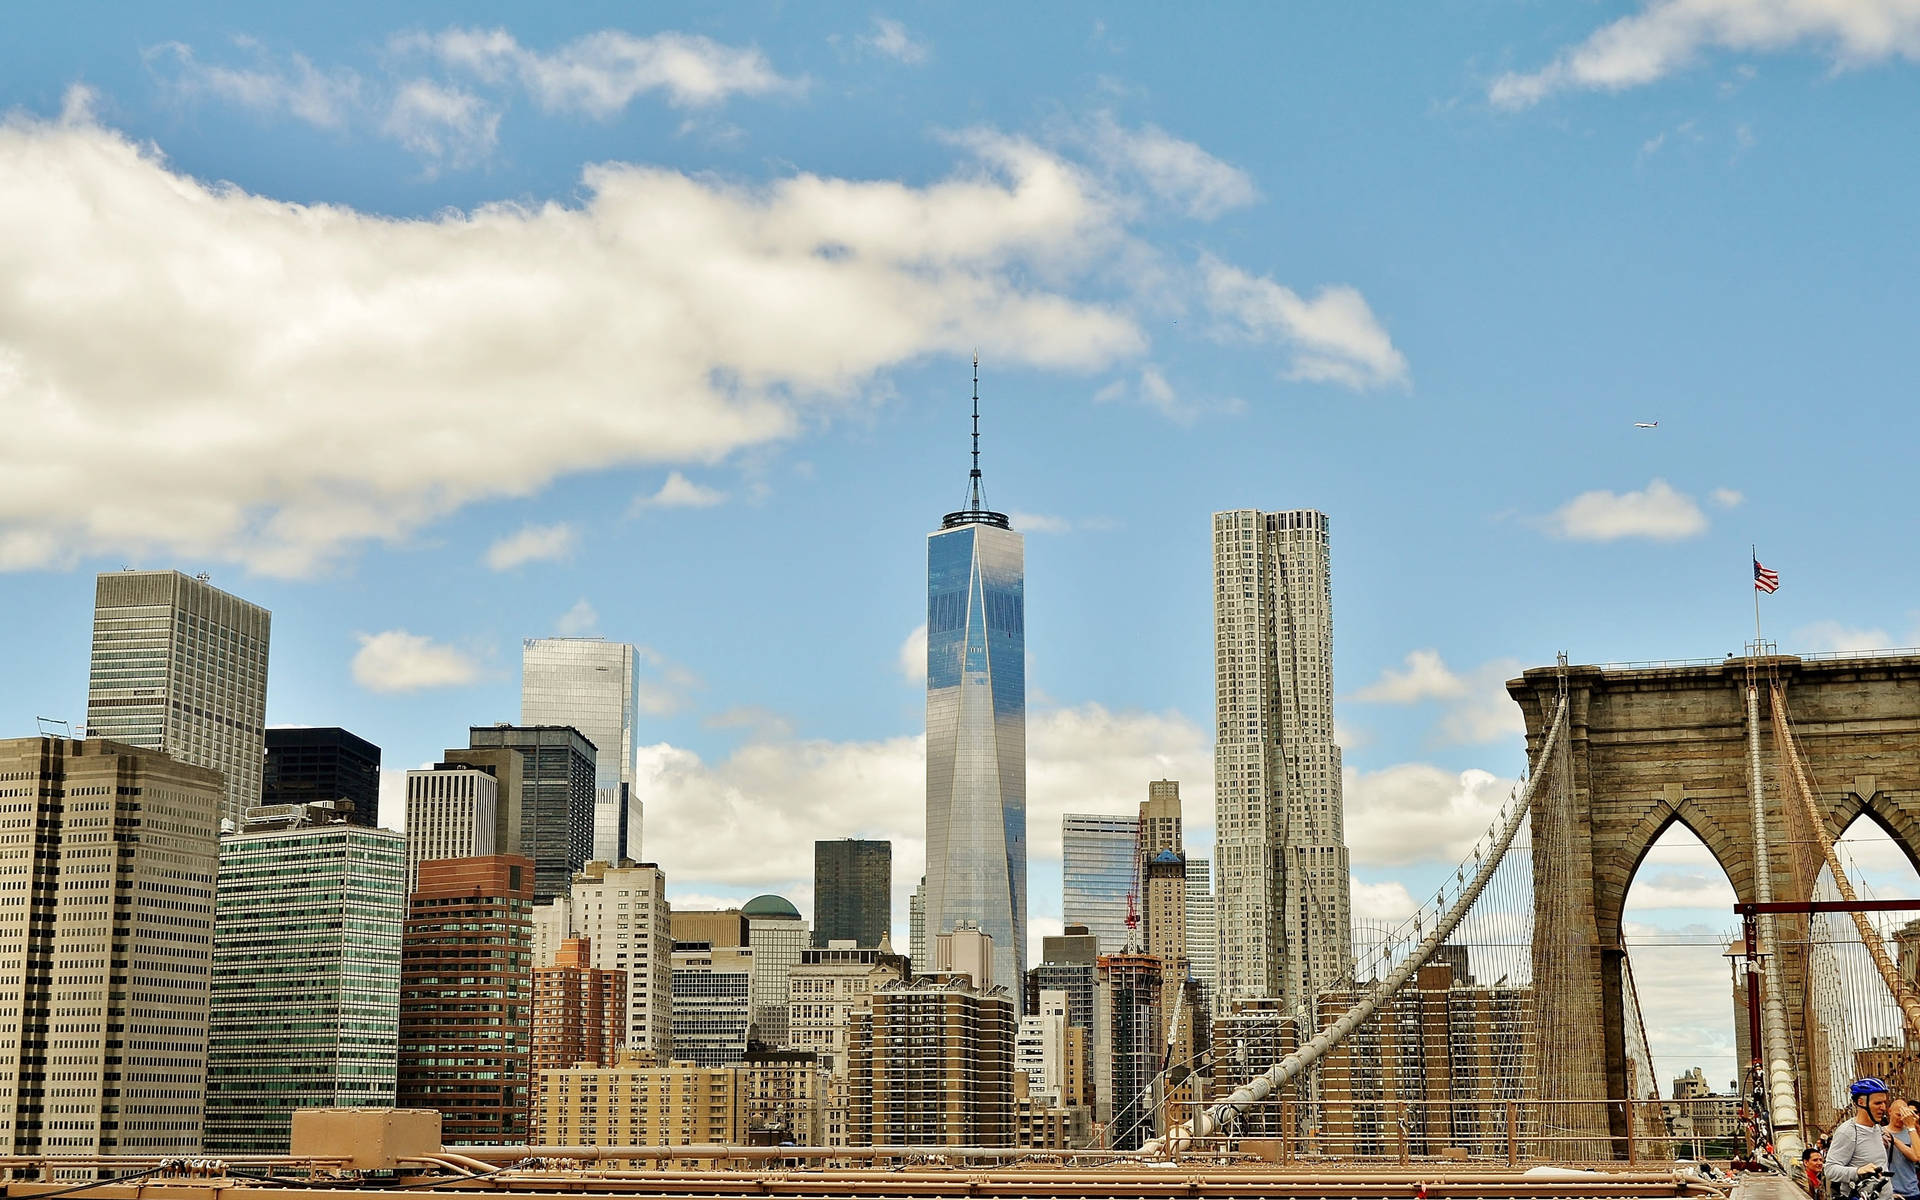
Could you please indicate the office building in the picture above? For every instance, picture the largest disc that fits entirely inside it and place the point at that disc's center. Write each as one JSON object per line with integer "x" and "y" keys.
{"x": 852, "y": 892}
{"x": 557, "y": 774}
{"x": 452, "y": 812}
{"x": 931, "y": 1064}
{"x": 826, "y": 988}
{"x": 180, "y": 666}
{"x": 1280, "y": 854}
{"x": 1202, "y": 928}
{"x": 466, "y": 998}
{"x": 1129, "y": 1046}
{"x": 1099, "y": 863}
{"x": 104, "y": 980}
{"x": 579, "y": 1014}
{"x": 324, "y": 765}
{"x": 623, "y": 914}
{"x": 1160, "y": 824}
{"x": 977, "y": 727}
{"x": 778, "y": 937}
{"x": 712, "y": 1003}
{"x": 968, "y": 951}
{"x": 591, "y": 685}
{"x": 641, "y": 1102}
{"x": 306, "y": 974}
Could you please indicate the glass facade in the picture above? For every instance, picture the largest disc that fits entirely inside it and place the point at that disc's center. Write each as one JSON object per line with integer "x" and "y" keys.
{"x": 557, "y": 798}
{"x": 976, "y": 734}
{"x": 852, "y": 892}
{"x": 322, "y": 765}
{"x": 180, "y": 666}
{"x": 1097, "y": 870}
{"x": 306, "y": 979}
{"x": 590, "y": 684}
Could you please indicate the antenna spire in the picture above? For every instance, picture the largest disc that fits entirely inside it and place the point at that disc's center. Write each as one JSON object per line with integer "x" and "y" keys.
{"x": 974, "y": 503}
{"x": 976, "y": 512}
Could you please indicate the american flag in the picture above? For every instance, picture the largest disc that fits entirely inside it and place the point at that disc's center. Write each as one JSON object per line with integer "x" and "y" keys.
{"x": 1765, "y": 580}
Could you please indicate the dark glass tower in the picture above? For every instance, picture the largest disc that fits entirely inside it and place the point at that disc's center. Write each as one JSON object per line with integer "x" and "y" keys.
{"x": 314, "y": 766}
{"x": 977, "y": 727}
{"x": 557, "y": 782}
{"x": 852, "y": 892}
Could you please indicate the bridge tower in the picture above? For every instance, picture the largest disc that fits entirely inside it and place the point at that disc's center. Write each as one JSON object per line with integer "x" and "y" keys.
{"x": 1653, "y": 745}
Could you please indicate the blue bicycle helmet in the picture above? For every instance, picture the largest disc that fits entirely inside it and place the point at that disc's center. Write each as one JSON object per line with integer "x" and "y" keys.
{"x": 1862, "y": 1088}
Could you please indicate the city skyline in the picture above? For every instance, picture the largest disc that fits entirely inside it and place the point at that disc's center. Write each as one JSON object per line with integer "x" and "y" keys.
{"x": 1583, "y": 256}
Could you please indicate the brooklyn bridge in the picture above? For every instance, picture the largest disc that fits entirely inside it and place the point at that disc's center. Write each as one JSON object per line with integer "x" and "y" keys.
{"x": 1767, "y": 759}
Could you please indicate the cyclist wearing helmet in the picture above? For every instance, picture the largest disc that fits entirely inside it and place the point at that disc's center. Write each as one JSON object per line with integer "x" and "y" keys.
{"x": 1857, "y": 1153}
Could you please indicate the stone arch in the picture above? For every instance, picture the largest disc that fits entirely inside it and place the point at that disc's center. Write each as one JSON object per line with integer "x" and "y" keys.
{"x": 1899, "y": 820}
{"x": 1730, "y": 852}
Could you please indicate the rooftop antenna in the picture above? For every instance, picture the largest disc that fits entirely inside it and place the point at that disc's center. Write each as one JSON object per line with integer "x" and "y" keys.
{"x": 976, "y": 512}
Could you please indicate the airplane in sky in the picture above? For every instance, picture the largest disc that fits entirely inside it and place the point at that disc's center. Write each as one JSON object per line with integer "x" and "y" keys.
{"x": 1646, "y": 424}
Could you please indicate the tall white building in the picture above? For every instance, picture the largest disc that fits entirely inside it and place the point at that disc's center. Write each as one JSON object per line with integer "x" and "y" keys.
{"x": 1280, "y": 855}
{"x": 589, "y": 683}
{"x": 451, "y": 813}
{"x": 1203, "y": 927}
{"x": 180, "y": 666}
{"x": 778, "y": 936}
{"x": 104, "y": 979}
{"x": 625, "y": 914}
{"x": 1040, "y": 1049}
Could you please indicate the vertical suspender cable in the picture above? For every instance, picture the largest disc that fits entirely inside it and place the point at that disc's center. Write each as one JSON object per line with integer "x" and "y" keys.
{"x": 1783, "y": 1105}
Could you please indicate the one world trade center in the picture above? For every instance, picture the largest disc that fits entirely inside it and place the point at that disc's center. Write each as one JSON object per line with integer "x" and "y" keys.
{"x": 977, "y": 728}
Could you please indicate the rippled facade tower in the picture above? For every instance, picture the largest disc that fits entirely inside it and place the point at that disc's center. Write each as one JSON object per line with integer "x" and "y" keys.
{"x": 977, "y": 728}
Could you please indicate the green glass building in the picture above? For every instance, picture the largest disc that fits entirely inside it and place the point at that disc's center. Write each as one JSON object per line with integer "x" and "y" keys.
{"x": 306, "y": 978}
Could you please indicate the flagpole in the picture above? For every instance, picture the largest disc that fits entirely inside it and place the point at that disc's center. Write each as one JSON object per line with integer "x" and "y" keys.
{"x": 1753, "y": 553}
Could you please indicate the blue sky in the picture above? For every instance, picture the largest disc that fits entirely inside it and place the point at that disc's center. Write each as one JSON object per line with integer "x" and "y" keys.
{"x": 436, "y": 327}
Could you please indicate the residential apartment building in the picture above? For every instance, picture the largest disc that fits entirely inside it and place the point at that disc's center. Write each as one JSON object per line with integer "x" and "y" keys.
{"x": 1128, "y": 1047}
{"x": 1280, "y": 855}
{"x": 931, "y": 1064}
{"x": 109, "y": 857}
{"x": 306, "y": 974}
{"x": 641, "y": 1102}
{"x": 579, "y": 1014}
{"x": 466, "y": 997}
{"x": 180, "y": 666}
{"x": 828, "y": 988}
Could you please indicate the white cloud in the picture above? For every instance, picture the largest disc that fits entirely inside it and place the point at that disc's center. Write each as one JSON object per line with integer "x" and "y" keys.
{"x": 750, "y": 819}
{"x": 1425, "y": 677}
{"x": 1668, "y": 35}
{"x": 398, "y": 661}
{"x": 448, "y": 126}
{"x": 890, "y": 39}
{"x": 1152, "y": 390}
{"x": 913, "y": 655}
{"x": 1655, "y": 890}
{"x": 1658, "y": 512}
{"x": 534, "y": 543}
{"x": 667, "y": 689}
{"x": 1418, "y": 813}
{"x": 582, "y": 618}
{"x": 1334, "y": 337}
{"x": 1388, "y": 901}
{"x": 1178, "y": 172}
{"x": 296, "y": 87}
{"x": 1039, "y": 523}
{"x": 680, "y": 492}
{"x": 177, "y": 350}
{"x": 1724, "y": 497}
{"x": 601, "y": 73}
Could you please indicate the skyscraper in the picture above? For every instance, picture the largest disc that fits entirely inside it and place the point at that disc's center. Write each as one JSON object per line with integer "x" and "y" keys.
{"x": 977, "y": 725}
{"x": 852, "y": 892}
{"x": 1280, "y": 845}
{"x": 180, "y": 666}
{"x": 306, "y": 977}
{"x": 1203, "y": 926}
{"x": 1098, "y": 869}
{"x": 317, "y": 766}
{"x": 557, "y": 774}
{"x": 104, "y": 979}
{"x": 466, "y": 997}
{"x": 452, "y": 812}
{"x": 589, "y": 684}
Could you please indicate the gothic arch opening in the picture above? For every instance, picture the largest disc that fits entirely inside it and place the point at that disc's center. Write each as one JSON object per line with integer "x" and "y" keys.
{"x": 1676, "y": 925}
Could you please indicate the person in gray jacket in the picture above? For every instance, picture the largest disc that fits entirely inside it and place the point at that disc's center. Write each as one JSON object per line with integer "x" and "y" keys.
{"x": 1857, "y": 1152}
